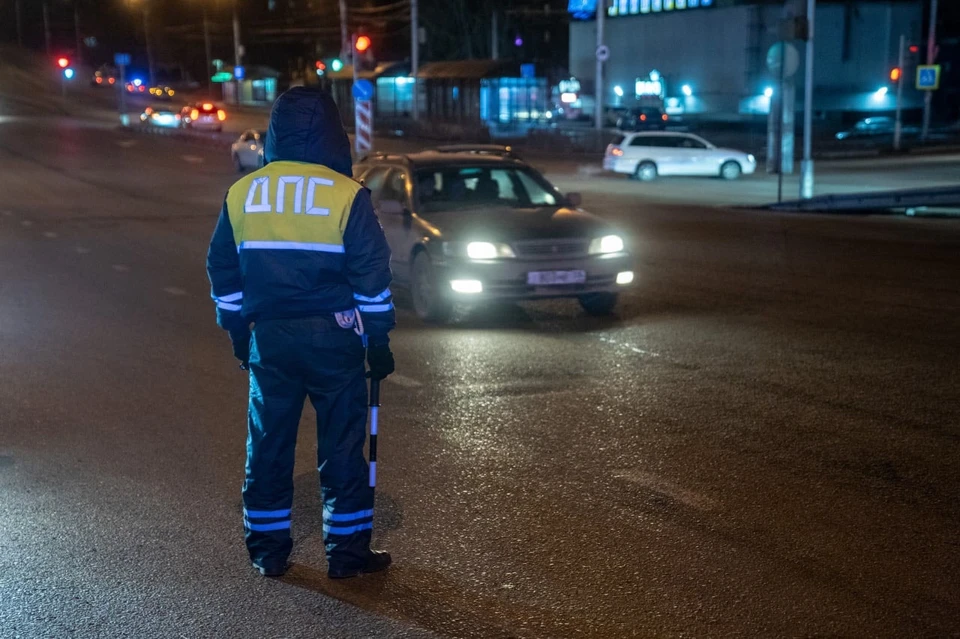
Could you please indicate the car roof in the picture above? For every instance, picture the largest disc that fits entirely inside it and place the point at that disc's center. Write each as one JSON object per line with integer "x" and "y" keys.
{"x": 434, "y": 157}
{"x": 659, "y": 134}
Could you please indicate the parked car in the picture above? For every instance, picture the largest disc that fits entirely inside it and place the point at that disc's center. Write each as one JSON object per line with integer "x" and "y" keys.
{"x": 202, "y": 115}
{"x": 643, "y": 118}
{"x": 472, "y": 227}
{"x": 875, "y": 127}
{"x": 247, "y": 151}
{"x": 164, "y": 117}
{"x": 645, "y": 156}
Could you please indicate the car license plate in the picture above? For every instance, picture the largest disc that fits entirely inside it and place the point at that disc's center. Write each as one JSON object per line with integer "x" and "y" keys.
{"x": 556, "y": 278}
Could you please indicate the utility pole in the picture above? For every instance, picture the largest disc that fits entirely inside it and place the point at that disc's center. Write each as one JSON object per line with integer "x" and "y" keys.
{"x": 898, "y": 125}
{"x": 806, "y": 166}
{"x": 237, "y": 47}
{"x": 146, "y": 36}
{"x": 46, "y": 27}
{"x": 598, "y": 99}
{"x": 18, "y": 8}
{"x": 931, "y": 58}
{"x": 206, "y": 47}
{"x": 415, "y": 54}
{"x": 76, "y": 31}
{"x": 495, "y": 36}
{"x": 344, "y": 32}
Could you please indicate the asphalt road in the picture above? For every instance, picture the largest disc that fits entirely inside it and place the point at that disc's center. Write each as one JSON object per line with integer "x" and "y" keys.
{"x": 762, "y": 442}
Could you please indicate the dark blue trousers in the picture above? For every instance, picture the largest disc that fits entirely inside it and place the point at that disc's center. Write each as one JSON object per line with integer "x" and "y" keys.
{"x": 290, "y": 360}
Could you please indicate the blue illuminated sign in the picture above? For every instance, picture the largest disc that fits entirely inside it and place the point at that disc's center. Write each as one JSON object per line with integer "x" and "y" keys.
{"x": 582, "y": 9}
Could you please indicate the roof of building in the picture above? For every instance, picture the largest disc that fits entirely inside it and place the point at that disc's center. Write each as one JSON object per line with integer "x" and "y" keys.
{"x": 469, "y": 69}
{"x": 382, "y": 70}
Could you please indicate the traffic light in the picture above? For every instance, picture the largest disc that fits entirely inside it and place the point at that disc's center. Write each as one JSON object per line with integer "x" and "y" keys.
{"x": 336, "y": 64}
{"x": 895, "y": 74}
{"x": 63, "y": 63}
{"x": 363, "y": 43}
{"x": 321, "y": 67}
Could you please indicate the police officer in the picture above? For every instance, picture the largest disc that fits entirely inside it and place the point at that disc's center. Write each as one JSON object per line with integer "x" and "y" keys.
{"x": 299, "y": 254}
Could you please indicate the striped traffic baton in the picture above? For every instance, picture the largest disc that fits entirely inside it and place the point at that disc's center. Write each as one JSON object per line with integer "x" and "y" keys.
{"x": 374, "y": 415}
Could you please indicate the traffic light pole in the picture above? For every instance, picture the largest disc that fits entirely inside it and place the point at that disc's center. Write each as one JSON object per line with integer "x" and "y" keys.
{"x": 206, "y": 47}
{"x": 931, "y": 59}
{"x": 415, "y": 55}
{"x": 598, "y": 98}
{"x": 898, "y": 125}
{"x": 806, "y": 165}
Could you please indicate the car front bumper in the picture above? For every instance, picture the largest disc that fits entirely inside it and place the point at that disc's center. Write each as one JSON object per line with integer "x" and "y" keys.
{"x": 506, "y": 279}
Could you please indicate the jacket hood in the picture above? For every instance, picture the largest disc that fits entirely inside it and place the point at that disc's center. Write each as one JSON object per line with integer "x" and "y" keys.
{"x": 305, "y": 127}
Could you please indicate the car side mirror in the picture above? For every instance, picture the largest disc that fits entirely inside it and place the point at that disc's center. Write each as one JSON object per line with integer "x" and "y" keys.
{"x": 390, "y": 207}
{"x": 575, "y": 199}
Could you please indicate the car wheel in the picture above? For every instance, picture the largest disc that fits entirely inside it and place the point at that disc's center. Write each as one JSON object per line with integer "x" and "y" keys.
{"x": 237, "y": 164}
{"x": 646, "y": 172}
{"x": 730, "y": 170}
{"x": 429, "y": 302}
{"x": 599, "y": 303}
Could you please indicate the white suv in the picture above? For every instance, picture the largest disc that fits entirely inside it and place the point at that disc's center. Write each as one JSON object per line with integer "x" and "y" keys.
{"x": 646, "y": 155}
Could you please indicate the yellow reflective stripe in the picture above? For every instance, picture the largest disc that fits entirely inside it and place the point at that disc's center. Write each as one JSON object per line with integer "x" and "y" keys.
{"x": 314, "y": 207}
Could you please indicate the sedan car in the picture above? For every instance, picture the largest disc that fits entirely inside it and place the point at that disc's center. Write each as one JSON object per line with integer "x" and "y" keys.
{"x": 645, "y": 156}
{"x": 247, "y": 151}
{"x": 470, "y": 228}
{"x": 643, "y": 118}
{"x": 202, "y": 115}
{"x": 164, "y": 117}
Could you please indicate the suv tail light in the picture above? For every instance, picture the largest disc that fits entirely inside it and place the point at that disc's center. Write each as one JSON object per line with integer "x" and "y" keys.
{"x": 221, "y": 115}
{"x": 664, "y": 117}
{"x": 616, "y": 151}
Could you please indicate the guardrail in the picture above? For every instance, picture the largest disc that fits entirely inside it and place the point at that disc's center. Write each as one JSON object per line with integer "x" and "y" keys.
{"x": 908, "y": 200}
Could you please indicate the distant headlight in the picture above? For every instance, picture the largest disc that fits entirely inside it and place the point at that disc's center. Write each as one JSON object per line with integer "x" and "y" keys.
{"x": 606, "y": 244}
{"x": 488, "y": 251}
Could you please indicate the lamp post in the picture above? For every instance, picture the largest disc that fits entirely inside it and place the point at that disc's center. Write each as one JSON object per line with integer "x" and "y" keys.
{"x": 806, "y": 165}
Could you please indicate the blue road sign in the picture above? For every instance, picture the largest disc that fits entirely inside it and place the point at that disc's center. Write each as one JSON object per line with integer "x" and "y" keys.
{"x": 239, "y": 72}
{"x": 928, "y": 77}
{"x": 363, "y": 90}
{"x": 121, "y": 59}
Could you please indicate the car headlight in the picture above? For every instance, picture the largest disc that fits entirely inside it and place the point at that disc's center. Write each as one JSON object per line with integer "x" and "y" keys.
{"x": 751, "y": 159}
{"x": 606, "y": 244}
{"x": 478, "y": 250}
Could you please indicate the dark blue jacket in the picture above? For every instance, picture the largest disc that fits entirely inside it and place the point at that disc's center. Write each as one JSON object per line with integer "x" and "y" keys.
{"x": 299, "y": 237}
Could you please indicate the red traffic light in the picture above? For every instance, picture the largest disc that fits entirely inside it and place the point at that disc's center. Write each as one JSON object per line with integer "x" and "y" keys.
{"x": 321, "y": 65}
{"x": 895, "y": 74}
{"x": 63, "y": 63}
{"x": 914, "y": 48}
{"x": 363, "y": 43}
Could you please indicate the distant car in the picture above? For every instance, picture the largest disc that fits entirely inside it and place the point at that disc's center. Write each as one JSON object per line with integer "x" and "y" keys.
{"x": 162, "y": 93}
{"x": 202, "y": 115}
{"x": 247, "y": 151}
{"x": 645, "y": 156}
{"x": 105, "y": 76}
{"x": 164, "y": 117}
{"x": 643, "y": 118}
{"x": 874, "y": 127}
{"x": 471, "y": 228}
{"x": 136, "y": 86}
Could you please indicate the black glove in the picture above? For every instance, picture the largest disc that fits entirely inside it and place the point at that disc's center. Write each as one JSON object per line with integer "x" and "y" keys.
{"x": 380, "y": 360}
{"x": 241, "y": 346}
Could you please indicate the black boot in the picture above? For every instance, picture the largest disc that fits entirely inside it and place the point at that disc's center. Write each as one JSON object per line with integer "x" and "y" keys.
{"x": 271, "y": 567}
{"x": 376, "y": 561}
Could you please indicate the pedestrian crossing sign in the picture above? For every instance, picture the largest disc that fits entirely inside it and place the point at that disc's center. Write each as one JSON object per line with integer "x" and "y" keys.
{"x": 928, "y": 77}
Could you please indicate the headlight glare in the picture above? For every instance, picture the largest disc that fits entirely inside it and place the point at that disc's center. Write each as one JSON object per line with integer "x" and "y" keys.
{"x": 488, "y": 251}
{"x": 607, "y": 244}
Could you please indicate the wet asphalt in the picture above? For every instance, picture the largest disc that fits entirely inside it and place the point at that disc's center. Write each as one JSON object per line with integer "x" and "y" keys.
{"x": 763, "y": 441}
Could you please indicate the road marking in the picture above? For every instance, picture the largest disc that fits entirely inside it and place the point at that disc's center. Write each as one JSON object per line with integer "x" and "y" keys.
{"x": 82, "y": 250}
{"x": 49, "y": 234}
{"x": 127, "y": 143}
{"x": 635, "y": 349}
{"x": 666, "y": 488}
{"x": 8, "y": 213}
{"x": 192, "y": 159}
{"x": 120, "y": 268}
{"x": 26, "y": 223}
{"x": 404, "y": 381}
{"x": 173, "y": 290}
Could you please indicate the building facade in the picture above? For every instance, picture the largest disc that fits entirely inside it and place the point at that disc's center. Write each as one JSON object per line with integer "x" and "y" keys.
{"x": 711, "y": 58}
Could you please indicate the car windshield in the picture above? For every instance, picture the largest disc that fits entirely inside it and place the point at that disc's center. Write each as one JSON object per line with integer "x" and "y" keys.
{"x": 459, "y": 187}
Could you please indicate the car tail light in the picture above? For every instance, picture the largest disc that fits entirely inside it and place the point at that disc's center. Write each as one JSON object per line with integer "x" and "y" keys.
{"x": 207, "y": 106}
{"x": 99, "y": 80}
{"x": 111, "y": 80}
{"x": 664, "y": 117}
{"x": 194, "y": 114}
{"x": 221, "y": 115}
{"x": 643, "y": 117}
{"x": 141, "y": 88}
{"x": 616, "y": 151}
{"x": 178, "y": 116}
{"x": 148, "y": 110}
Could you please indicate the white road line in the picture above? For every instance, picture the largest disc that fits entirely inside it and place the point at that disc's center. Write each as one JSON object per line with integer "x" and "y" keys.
{"x": 635, "y": 349}
{"x": 127, "y": 143}
{"x": 26, "y": 223}
{"x": 192, "y": 159}
{"x": 666, "y": 488}
{"x": 49, "y": 234}
{"x": 82, "y": 250}
{"x": 173, "y": 290}
{"x": 404, "y": 381}
{"x": 120, "y": 268}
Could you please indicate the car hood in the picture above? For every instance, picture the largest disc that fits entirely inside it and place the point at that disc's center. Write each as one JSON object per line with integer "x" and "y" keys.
{"x": 505, "y": 224}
